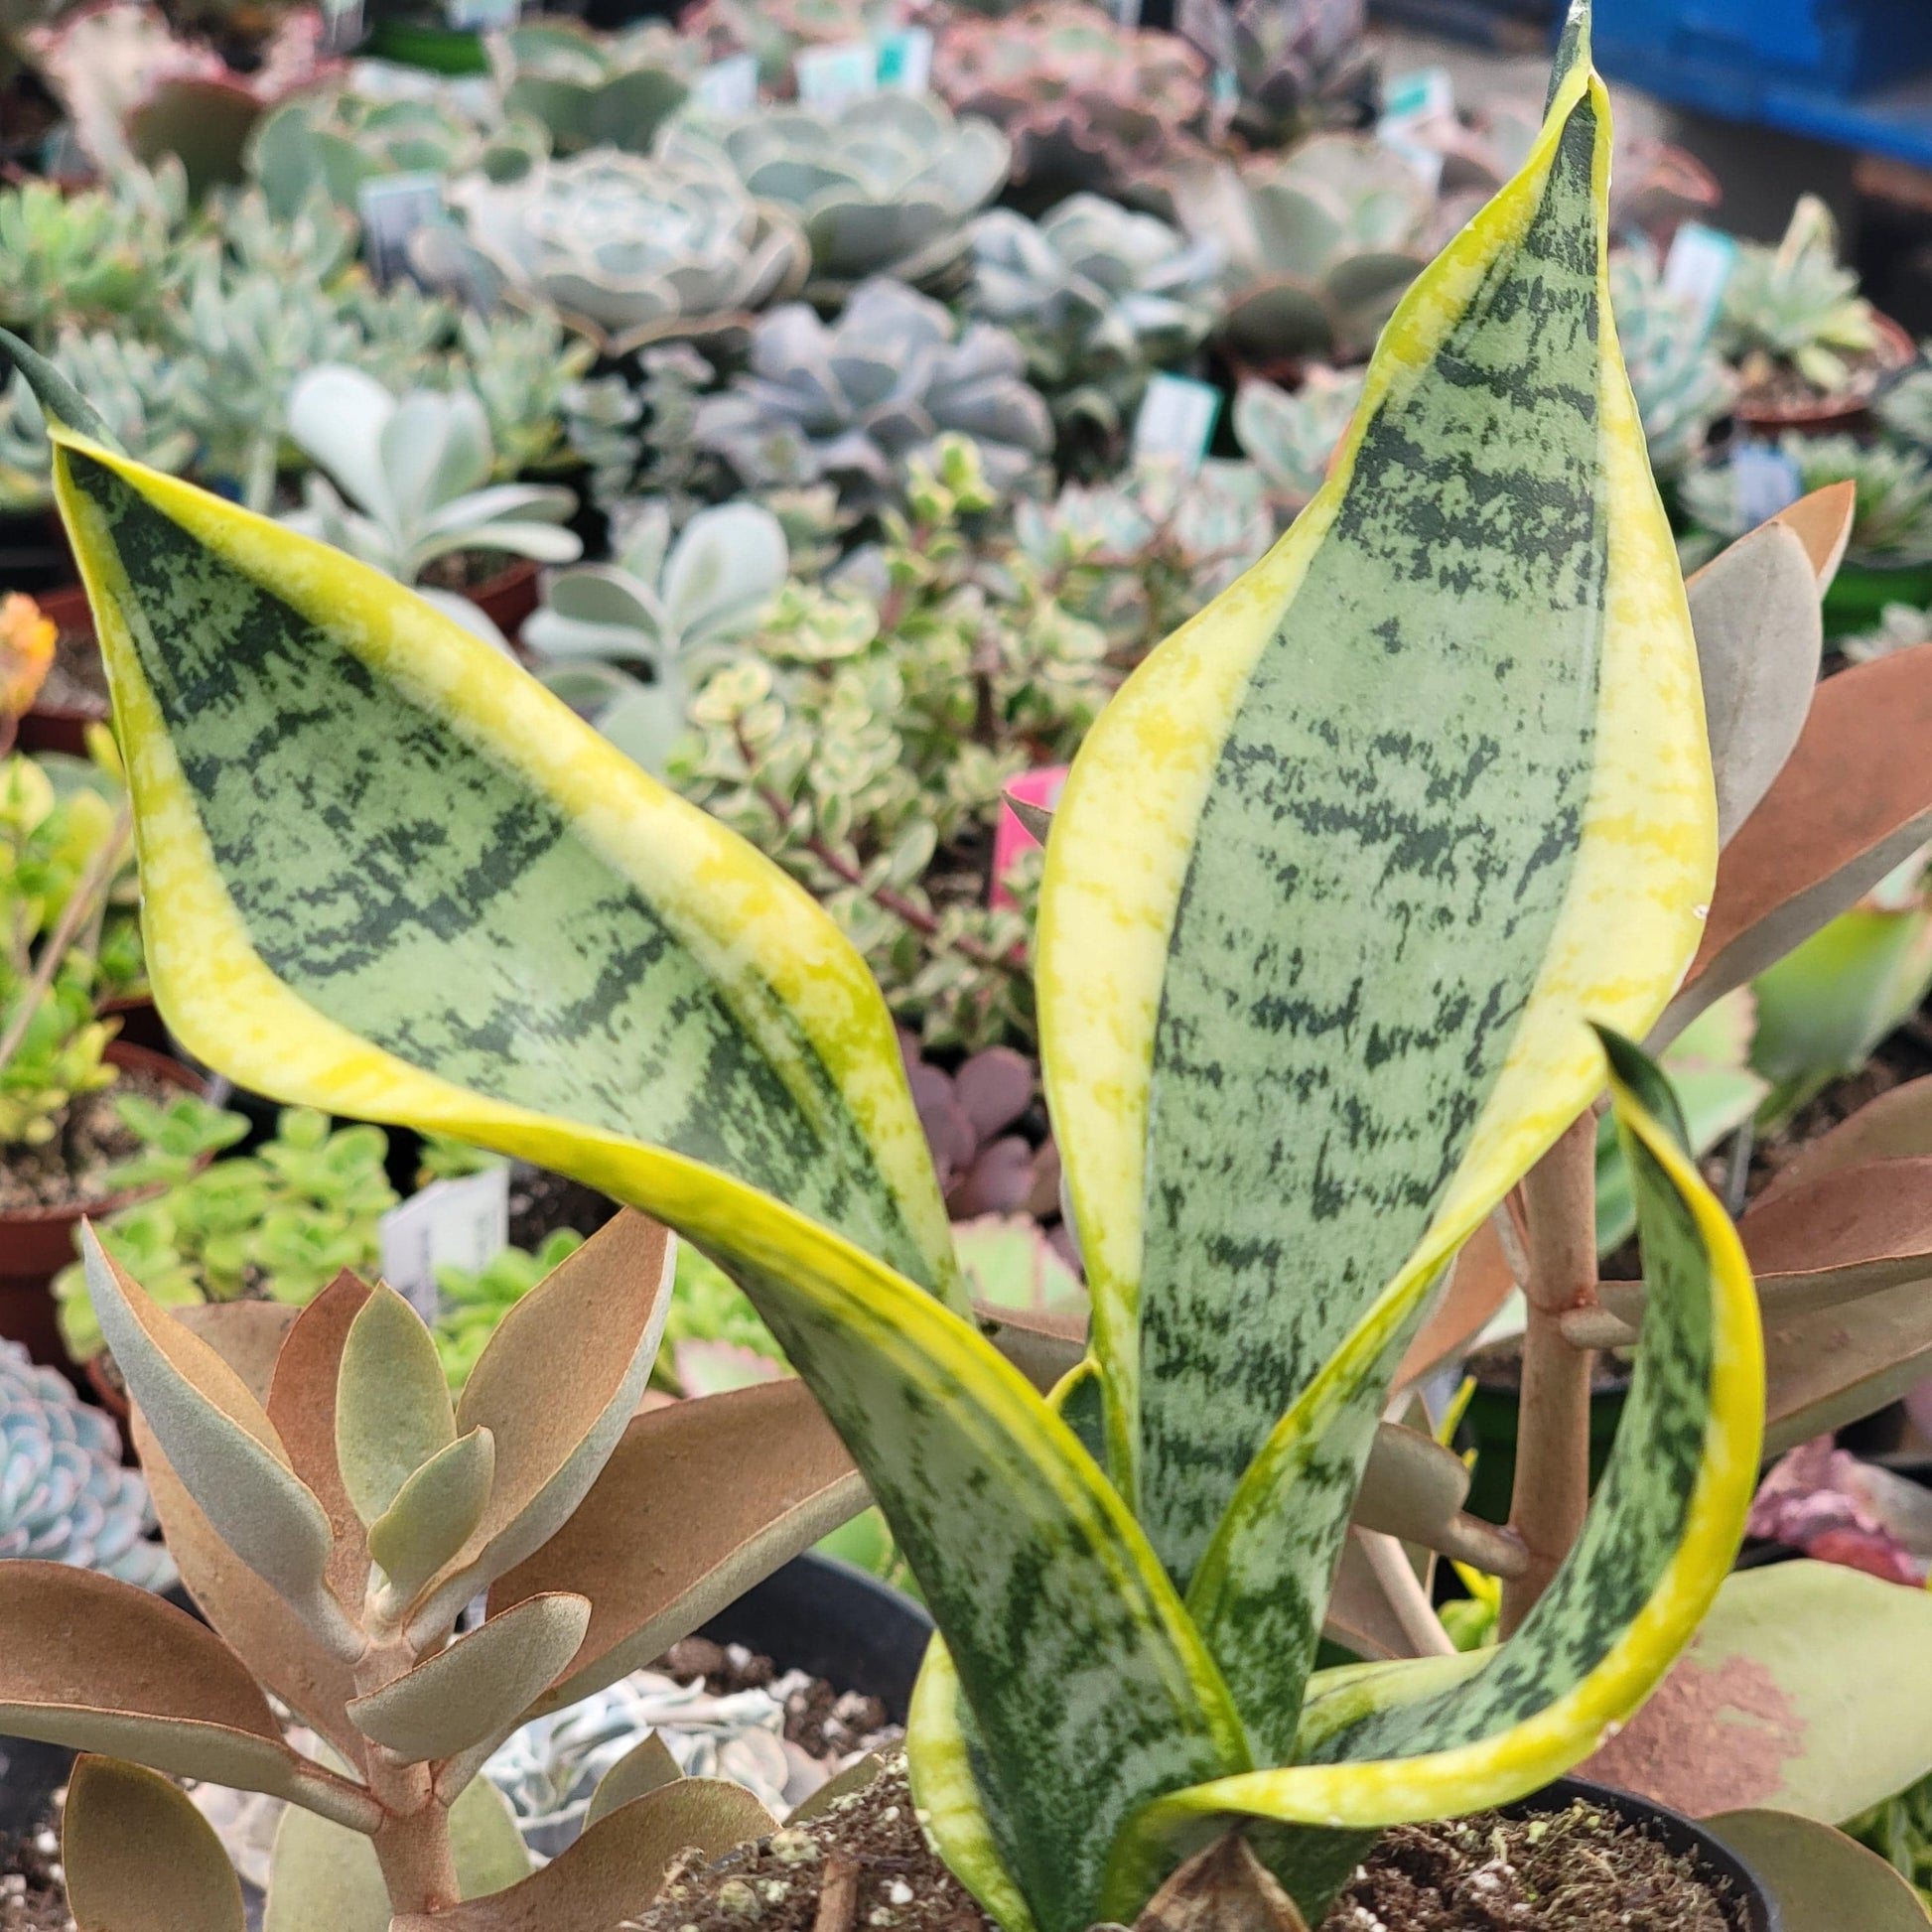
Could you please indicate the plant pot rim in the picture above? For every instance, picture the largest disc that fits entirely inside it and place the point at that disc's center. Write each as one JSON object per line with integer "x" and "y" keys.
{"x": 1896, "y": 351}
{"x": 1710, "y": 1854}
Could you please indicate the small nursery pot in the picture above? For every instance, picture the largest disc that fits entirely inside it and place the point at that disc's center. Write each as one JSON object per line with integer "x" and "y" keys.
{"x": 1756, "y": 1911}
{"x": 36, "y": 1243}
{"x": 63, "y": 727}
{"x": 507, "y": 597}
{"x": 831, "y": 1620}
{"x": 1896, "y": 349}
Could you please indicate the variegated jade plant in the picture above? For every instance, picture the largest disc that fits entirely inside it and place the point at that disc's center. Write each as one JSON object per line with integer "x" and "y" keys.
{"x": 333, "y": 1514}
{"x": 1340, "y": 881}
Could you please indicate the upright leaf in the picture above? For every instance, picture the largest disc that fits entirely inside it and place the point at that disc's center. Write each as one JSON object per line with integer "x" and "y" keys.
{"x": 393, "y": 1405}
{"x": 1326, "y": 893}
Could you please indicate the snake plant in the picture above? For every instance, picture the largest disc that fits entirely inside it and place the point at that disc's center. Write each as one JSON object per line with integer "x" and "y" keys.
{"x": 1338, "y": 886}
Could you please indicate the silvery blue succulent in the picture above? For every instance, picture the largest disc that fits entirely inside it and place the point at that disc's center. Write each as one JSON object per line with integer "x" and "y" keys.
{"x": 64, "y": 1496}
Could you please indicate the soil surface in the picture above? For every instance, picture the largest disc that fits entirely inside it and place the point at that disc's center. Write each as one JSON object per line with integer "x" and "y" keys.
{"x": 77, "y": 680}
{"x": 824, "y": 1722}
{"x": 1777, "y": 386}
{"x": 32, "y": 1897}
{"x": 1575, "y": 1870}
{"x": 67, "y": 1169}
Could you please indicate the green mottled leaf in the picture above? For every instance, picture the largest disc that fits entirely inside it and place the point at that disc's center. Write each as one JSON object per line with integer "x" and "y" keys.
{"x": 139, "y": 1858}
{"x": 393, "y": 1412}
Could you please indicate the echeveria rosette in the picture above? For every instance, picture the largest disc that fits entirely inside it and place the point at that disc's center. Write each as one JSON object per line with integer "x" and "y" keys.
{"x": 1453, "y": 717}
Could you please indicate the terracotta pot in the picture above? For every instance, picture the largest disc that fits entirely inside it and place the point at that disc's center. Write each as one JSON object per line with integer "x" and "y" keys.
{"x": 507, "y": 597}
{"x": 63, "y": 728}
{"x": 36, "y": 1243}
{"x": 111, "y": 1396}
{"x": 1896, "y": 351}
{"x": 141, "y": 1024}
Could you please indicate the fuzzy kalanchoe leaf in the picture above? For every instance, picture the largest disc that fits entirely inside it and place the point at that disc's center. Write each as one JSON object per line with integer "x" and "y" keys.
{"x": 1493, "y": 650}
{"x": 64, "y": 1496}
{"x": 634, "y": 249}
{"x": 1100, "y": 297}
{"x": 857, "y": 401}
{"x": 881, "y": 186}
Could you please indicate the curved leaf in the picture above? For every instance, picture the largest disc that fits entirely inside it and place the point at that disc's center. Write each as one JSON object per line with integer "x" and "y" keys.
{"x": 1805, "y": 1690}
{"x": 435, "y": 1513}
{"x": 483, "y": 918}
{"x": 1823, "y": 1882}
{"x": 139, "y": 1858}
{"x": 1661, "y": 1534}
{"x": 638, "y": 1772}
{"x": 1325, "y": 892}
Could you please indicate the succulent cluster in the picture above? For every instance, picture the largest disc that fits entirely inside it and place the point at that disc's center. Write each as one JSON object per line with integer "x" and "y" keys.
{"x": 773, "y": 32}
{"x": 64, "y": 1496}
{"x": 857, "y": 401}
{"x": 102, "y": 257}
{"x": 1098, "y": 296}
{"x": 1290, "y": 438}
{"x": 885, "y": 185}
{"x": 589, "y": 91}
{"x": 634, "y": 249}
{"x": 1088, "y": 106}
{"x": 1293, "y": 67}
{"x": 1682, "y": 385}
{"x": 1894, "y": 521}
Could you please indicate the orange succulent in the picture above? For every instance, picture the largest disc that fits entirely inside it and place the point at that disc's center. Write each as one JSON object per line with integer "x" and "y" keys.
{"x": 26, "y": 653}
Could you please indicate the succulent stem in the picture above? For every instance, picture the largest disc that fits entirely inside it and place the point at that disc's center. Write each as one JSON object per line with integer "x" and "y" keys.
{"x": 1552, "y": 1488}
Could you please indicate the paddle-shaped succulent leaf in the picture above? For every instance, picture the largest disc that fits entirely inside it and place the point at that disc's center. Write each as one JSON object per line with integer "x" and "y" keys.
{"x": 1339, "y": 885}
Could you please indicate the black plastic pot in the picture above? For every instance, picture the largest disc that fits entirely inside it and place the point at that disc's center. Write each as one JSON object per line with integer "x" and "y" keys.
{"x": 1491, "y": 1424}
{"x": 831, "y": 1620}
{"x": 1756, "y": 1911}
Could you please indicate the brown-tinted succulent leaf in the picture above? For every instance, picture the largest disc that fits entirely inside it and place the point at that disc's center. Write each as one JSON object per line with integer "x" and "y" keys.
{"x": 1043, "y": 1344}
{"x": 701, "y": 1500}
{"x": 638, "y": 1772}
{"x": 435, "y": 1513}
{"x": 393, "y": 1405}
{"x": 249, "y": 1336}
{"x": 328, "y": 1880}
{"x": 1223, "y": 1888}
{"x": 1761, "y": 635}
{"x": 1481, "y": 1283}
{"x": 1817, "y": 844}
{"x": 301, "y": 1402}
{"x": 1823, "y": 1882}
{"x": 556, "y": 1386}
{"x": 1832, "y": 1366}
{"x": 1845, "y": 1234}
{"x": 139, "y": 1858}
{"x": 1000, "y": 1181}
{"x": 221, "y": 1444}
{"x": 105, "y": 1667}
{"x": 480, "y": 1685}
{"x": 615, "y": 1869}
{"x": 1412, "y": 1488}
{"x": 1894, "y": 1127}
{"x": 1823, "y": 523}
{"x": 1805, "y": 1690}
{"x": 1361, "y": 1615}
{"x": 249, "y": 1614}
{"x": 854, "y": 1777}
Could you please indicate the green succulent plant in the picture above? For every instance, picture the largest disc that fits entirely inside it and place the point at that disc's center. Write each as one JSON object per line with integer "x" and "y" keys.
{"x": 1894, "y": 520}
{"x": 99, "y": 258}
{"x": 1681, "y": 382}
{"x": 1292, "y": 67}
{"x": 1795, "y": 307}
{"x": 773, "y": 32}
{"x": 659, "y": 607}
{"x": 855, "y": 401}
{"x": 1320, "y": 244}
{"x": 67, "y": 1497}
{"x": 1290, "y": 438}
{"x": 1901, "y": 627}
{"x": 277, "y": 1224}
{"x": 138, "y": 389}
{"x": 633, "y": 250}
{"x": 593, "y": 90}
{"x": 1098, "y": 296}
{"x": 408, "y": 482}
{"x": 884, "y": 185}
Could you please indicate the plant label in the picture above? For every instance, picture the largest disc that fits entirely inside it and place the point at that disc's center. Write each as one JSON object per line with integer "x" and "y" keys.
{"x": 830, "y": 75}
{"x": 1766, "y": 481}
{"x": 1010, "y": 837}
{"x": 392, "y": 209}
{"x": 485, "y": 16}
{"x": 729, "y": 88}
{"x": 1698, "y": 270}
{"x": 462, "y": 1223}
{"x": 905, "y": 61}
{"x": 1177, "y": 420}
{"x": 1413, "y": 102}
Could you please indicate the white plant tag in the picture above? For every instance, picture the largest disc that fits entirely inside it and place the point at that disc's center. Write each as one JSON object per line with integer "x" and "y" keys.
{"x": 1177, "y": 420}
{"x": 1699, "y": 268}
{"x": 463, "y": 1223}
{"x": 905, "y": 61}
{"x": 485, "y": 16}
{"x": 828, "y": 77}
{"x": 1424, "y": 96}
{"x": 392, "y": 209}
{"x": 1766, "y": 481}
{"x": 729, "y": 88}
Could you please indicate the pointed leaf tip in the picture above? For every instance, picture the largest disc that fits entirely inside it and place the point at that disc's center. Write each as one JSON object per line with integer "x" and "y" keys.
{"x": 1633, "y": 1068}
{"x": 60, "y": 402}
